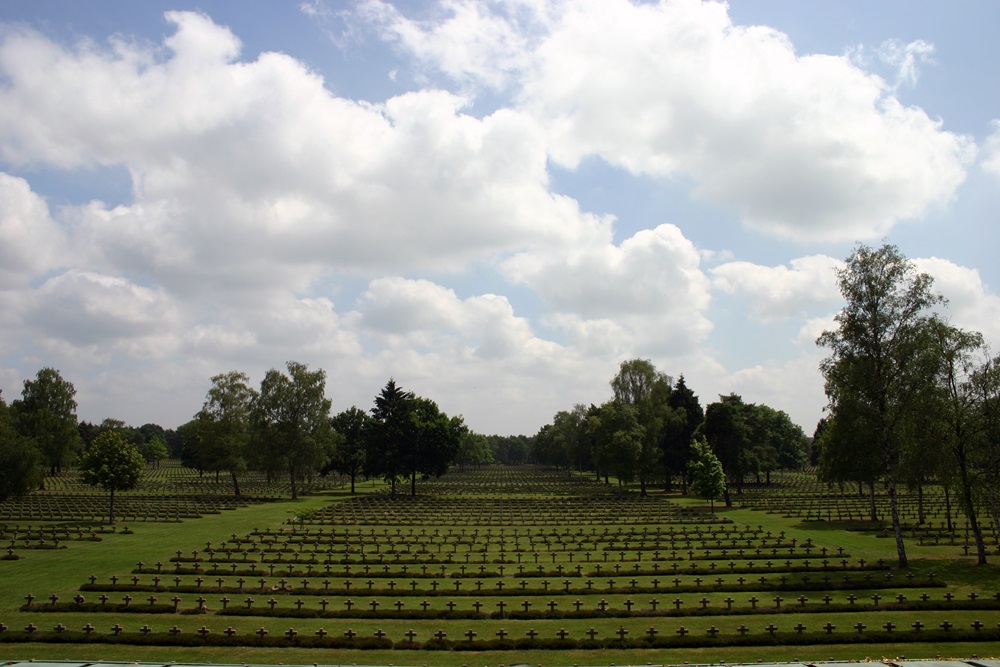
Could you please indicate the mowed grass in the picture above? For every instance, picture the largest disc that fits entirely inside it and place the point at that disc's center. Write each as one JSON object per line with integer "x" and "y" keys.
{"x": 45, "y": 572}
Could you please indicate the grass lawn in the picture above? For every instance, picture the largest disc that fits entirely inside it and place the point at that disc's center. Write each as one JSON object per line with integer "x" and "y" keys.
{"x": 459, "y": 516}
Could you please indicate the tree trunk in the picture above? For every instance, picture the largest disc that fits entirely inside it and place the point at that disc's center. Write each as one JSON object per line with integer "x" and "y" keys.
{"x": 871, "y": 501}
{"x": 920, "y": 503}
{"x": 969, "y": 506}
{"x": 236, "y": 483}
{"x": 353, "y": 474}
{"x": 947, "y": 507}
{"x": 413, "y": 483}
{"x": 291, "y": 478}
{"x": 725, "y": 495}
{"x": 897, "y": 527}
{"x": 111, "y": 508}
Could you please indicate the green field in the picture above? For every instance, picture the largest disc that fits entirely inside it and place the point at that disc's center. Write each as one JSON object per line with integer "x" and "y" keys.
{"x": 493, "y": 566}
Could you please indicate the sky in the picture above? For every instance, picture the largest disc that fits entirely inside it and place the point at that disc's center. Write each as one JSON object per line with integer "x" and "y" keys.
{"x": 495, "y": 203}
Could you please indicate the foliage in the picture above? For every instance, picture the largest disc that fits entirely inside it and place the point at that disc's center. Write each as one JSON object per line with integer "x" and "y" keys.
{"x": 291, "y": 420}
{"x": 473, "y": 449}
{"x": 112, "y": 464}
{"x": 510, "y": 449}
{"x": 389, "y": 433}
{"x": 410, "y": 436}
{"x": 679, "y": 431}
{"x": 877, "y": 366}
{"x": 20, "y": 462}
{"x": 354, "y": 427}
{"x": 726, "y": 428}
{"x": 954, "y": 419}
{"x": 154, "y": 450}
{"x": 224, "y": 427}
{"x": 640, "y": 385}
{"x": 708, "y": 480}
{"x": 46, "y": 414}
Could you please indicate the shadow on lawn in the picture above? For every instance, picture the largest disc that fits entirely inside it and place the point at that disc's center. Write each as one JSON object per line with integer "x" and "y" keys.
{"x": 877, "y": 528}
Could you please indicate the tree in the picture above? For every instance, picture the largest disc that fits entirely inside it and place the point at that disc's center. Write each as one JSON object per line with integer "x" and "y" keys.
{"x": 291, "y": 417}
{"x": 626, "y": 437}
{"x": 154, "y": 450}
{"x": 727, "y": 431}
{"x": 954, "y": 419}
{"x": 390, "y": 431}
{"x": 986, "y": 384}
{"x": 354, "y": 427}
{"x": 20, "y": 462}
{"x": 679, "y": 431}
{"x": 640, "y": 385}
{"x": 473, "y": 449}
{"x": 434, "y": 441}
{"x": 708, "y": 480}
{"x": 410, "y": 437}
{"x": 566, "y": 437}
{"x": 877, "y": 368}
{"x": 225, "y": 426}
{"x": 46, "y": 414}
{"x": 776, "y": 442}
{"x": 509, "y": 449}
{"x": 112, "y": 464}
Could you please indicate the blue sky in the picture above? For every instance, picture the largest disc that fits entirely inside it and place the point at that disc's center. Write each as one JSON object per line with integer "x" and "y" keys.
{"x": 495, "y": 203}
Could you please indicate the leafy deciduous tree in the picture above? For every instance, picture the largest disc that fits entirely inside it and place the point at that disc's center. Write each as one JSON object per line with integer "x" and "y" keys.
{"x": 224, "y": 425}
{"x": 354, "y": 427}
{"x": 292, "y": 420}
{"x": 877, "y": 367}
{"x": 112, "y": 464}
{"x": 640, "y": 385}
{"x": 20, "y": 462}
{"x": 46, "y": 414}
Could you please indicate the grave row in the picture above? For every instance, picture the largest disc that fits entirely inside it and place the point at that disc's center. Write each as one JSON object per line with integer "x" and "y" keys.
{"x": 592, "y": 638}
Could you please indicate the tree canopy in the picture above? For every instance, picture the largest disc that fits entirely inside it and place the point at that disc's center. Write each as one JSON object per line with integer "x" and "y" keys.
{"x": 20, "y": 462}
{"x": 291, "y": 415}
{"x": 46, "y": 414}
{"x": 112, "y": 464}
{"x": 878, "y": 365}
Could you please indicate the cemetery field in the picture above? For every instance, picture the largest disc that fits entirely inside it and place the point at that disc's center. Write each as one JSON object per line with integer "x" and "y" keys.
{"x": 498, "y": 565}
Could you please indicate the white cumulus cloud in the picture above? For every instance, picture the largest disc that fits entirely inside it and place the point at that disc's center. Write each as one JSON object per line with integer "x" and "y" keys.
{"x": 781, "y": 292}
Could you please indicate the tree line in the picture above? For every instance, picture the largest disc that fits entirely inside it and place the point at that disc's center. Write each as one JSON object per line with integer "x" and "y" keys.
{"x": 286, "y": 428}
{"x": 655, "y": 431}
{"x": 911, "y": 398}
{"x": 283, "y": 428}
